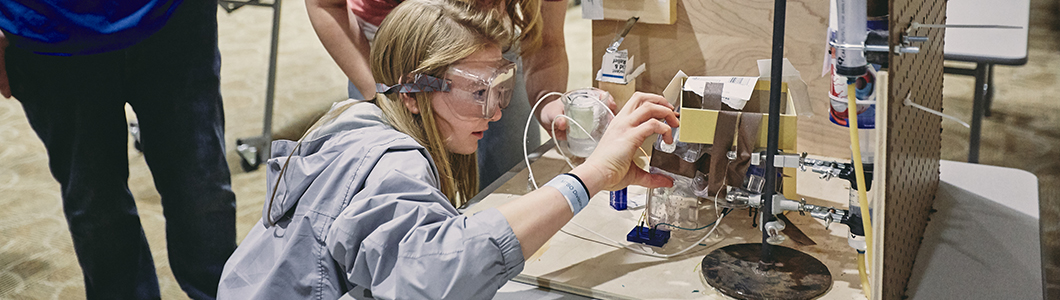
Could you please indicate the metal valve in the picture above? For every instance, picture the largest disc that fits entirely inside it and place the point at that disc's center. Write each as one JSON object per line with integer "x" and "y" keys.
{"x": 773, "y": 230}
{"x": 828, "y": 221}
{"x": 827, "y": 169}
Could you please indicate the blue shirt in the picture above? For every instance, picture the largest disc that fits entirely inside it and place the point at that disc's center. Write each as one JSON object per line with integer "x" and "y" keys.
{"x": 73, "y": 27}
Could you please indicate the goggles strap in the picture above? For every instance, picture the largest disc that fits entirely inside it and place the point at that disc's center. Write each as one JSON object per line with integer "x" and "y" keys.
{"x": 420, "y": 83}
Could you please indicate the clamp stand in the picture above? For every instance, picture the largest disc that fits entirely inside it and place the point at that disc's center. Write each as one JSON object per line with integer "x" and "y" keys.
{"x": 762, "y": 270}
{"x": 251, "y": 150}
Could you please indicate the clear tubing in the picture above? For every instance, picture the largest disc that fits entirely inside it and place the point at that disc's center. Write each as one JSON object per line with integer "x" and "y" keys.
{"x": 526, "y": 129}
{"x": 851, "y": 16}
{"x": 863, "y": 274}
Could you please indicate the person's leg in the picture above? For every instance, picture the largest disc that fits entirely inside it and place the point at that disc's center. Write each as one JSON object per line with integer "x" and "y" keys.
{"x": 175, "y": 84}
{"x": 75, "y": 106}
{"x": 502, "y": 146}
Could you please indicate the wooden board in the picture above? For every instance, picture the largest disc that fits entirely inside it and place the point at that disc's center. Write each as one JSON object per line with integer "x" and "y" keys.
{"x": 716, "y": 38}
{"x": 583, "y": 263}
{"x": 649, "y": 11}
{"x": 879, "y": 192}
{"x": 913, "y": 141}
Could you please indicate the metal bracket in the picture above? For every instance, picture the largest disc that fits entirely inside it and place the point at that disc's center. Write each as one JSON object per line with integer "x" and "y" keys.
{"x": 898, "y": 50}
{"x": 780, "y": 204}
{"x": 827, "y": 169}
{"x": 781, "y": 160}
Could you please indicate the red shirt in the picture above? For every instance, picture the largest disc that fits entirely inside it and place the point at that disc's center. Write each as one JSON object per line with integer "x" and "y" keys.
{"x": 373, "y": 11}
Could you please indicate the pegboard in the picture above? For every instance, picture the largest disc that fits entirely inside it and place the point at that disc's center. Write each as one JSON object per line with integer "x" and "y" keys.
{"x": 913, "y": 141}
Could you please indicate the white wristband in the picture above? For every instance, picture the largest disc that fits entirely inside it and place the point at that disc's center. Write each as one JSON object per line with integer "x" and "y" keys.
{"x": 573, "y": 189}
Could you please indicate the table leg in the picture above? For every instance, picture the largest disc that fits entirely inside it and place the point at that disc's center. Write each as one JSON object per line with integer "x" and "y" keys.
{"x": 978, "y": 105}
{"x": 989, "y": 89}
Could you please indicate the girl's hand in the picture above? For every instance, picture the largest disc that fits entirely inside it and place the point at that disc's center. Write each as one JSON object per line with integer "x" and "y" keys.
{"x": 611, "y": 166}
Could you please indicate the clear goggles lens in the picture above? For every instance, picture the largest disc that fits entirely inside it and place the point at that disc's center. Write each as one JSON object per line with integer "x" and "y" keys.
{"x": 480, "y": 89}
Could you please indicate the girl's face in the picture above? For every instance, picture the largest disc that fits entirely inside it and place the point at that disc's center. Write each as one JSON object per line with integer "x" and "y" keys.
{"x": 451, "y": 109}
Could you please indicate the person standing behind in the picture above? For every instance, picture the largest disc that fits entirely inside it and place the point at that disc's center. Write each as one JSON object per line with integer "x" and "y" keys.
{"x": 345, "y": 28}
{"x": 74, "y": 65}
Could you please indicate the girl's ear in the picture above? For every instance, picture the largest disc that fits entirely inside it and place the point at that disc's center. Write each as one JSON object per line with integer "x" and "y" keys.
{"x": 410, "y": 103}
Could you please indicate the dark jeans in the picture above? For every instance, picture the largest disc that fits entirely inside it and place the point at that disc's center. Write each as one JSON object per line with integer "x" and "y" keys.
{"x": 76, "y": 106}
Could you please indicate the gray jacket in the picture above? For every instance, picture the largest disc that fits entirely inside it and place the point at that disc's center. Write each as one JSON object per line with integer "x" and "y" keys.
{"x": 359, "y": 207}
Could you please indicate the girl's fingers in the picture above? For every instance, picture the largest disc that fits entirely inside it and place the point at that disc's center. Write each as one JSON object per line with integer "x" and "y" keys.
{"x": 648, "y": 180}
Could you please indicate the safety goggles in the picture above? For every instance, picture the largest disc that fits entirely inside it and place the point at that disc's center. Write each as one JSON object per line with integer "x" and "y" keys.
{"x": 479, "y": 89}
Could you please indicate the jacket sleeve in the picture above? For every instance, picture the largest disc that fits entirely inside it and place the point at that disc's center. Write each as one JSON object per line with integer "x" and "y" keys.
{"x": 400, "y": 238}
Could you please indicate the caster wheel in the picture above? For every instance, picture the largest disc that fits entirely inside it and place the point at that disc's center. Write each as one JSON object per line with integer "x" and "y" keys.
{"x": 134, "y": 130}
{"x": 247, "y": 166}
{"x": 249, "y": 158}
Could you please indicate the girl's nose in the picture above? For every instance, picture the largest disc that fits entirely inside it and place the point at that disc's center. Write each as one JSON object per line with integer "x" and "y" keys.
{"x": 496, "y": 116}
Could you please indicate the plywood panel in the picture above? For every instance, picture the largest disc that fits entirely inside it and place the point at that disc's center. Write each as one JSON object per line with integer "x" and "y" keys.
{"x": 719, "y": 37}
{"x": 913, "y": 141}
{"x": 649, "y": 11}
{"x": 581, "y": 260}
{"x": 722, "y": 37}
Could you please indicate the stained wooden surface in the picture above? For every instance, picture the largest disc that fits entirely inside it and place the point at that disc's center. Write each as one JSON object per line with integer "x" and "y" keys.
{"x": 583, "y": 263}
{"x": 649, "y": 11}
{"x": 716, "y": 38}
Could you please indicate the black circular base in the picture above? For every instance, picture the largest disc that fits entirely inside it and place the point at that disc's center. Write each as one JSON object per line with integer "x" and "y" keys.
{"x": 737, "y": 271}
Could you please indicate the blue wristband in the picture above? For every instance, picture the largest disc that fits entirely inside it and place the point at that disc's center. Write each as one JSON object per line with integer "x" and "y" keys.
{"x": 573, "y": 189}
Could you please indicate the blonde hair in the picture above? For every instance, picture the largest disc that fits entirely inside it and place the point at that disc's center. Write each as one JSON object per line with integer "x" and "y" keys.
{"x": 526, "y": 16}
{"x": 426, "y": 37}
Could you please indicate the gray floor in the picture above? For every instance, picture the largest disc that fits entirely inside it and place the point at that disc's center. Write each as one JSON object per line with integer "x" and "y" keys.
{"x": 36, "y": 256}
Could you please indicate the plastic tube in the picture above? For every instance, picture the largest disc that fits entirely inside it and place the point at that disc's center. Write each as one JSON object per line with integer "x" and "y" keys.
{"x": 859, "y": 169}
{"x": 864, "y": 275}
{"x": 526, "y": 129}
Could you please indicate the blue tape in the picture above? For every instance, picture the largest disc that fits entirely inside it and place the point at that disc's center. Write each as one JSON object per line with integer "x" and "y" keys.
{"x": 618, "y": 199}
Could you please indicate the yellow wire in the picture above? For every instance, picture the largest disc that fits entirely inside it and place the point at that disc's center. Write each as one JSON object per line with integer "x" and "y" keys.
{"x": 864, "y": 275}
{"x": 859, "y": 169}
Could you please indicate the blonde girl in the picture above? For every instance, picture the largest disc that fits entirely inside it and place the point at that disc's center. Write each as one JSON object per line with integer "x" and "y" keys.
{"x": 366, "y": 203}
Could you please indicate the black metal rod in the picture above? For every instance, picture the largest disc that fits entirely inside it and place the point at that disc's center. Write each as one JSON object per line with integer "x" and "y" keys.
{"x": 274, "y": 45}
{"x": 978, "y": 106}
{"x": 773, "y": 125}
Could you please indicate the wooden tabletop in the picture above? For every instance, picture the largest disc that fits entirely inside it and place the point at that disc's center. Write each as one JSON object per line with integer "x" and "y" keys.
{"x": 581, "y": 262}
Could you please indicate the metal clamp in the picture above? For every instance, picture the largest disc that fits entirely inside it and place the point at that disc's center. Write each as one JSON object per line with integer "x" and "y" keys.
{"x": 774, "y": 230}
{"x": 780, "y": 204}
{"x": 780, "y": 160}
{"x": 827, "y": 169}
{"x": 898, "y": 50}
